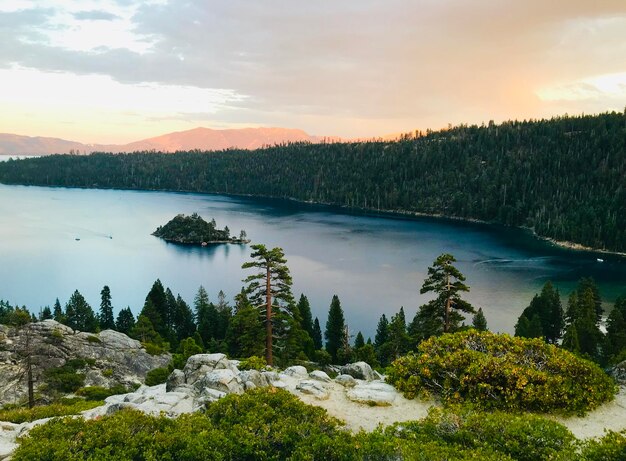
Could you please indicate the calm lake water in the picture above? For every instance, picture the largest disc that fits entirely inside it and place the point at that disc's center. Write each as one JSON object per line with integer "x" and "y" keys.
{"x": 374, "y": 264}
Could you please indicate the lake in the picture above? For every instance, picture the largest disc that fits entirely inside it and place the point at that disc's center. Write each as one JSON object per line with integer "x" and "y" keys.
{"x": 375, "y": 264}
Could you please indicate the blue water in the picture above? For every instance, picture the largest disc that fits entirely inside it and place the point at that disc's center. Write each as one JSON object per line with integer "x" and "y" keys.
{"x": 374, "y": 264}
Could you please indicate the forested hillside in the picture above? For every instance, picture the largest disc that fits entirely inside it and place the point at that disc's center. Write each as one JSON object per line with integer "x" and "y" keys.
{"x": 564, "y": 177}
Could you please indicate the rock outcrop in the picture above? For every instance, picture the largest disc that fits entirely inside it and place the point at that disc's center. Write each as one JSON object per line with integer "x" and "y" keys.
{"x": 111, "y": 358}
{"x": 619, "y": 372}
{"x": 360, "y": 370}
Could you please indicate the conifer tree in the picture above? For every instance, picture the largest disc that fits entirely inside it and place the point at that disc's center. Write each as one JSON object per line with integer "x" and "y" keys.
{"x": 183, "y": 322}
{"x": 246, "y": 334}
{"x": 45, "y": 314}
{"x": 125, "y": 321}
{"x": 269, "y": 291}
{"x": 615, "y": 342}
{"x": 305, "y": 313}
{"x": 335, "y": 328}
{"x": 359, "y": 341}
{"x": 382, "y": 331}
{"x": 156, "y": 308}
{"x": 106, "y": 319}
{"x": 144, "y": 331}
{"x": 317, "y": 335}
{"x": 442, "y": 314}
{"x": 57, "y": 313}
{"x": 479, "y": 321}
{"x": 398, "y": 339}
{"x": 582, "y": 317}
{"x": 79, "y": 314}
{"x": 534, "y": 327}
{"x": 522, "y": 327}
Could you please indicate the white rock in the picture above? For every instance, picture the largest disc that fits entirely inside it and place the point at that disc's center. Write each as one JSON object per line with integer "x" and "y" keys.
{"x": 359, "y": 370}
{"x": 296, "y": 371}
{"x": 319, "y": 375}
{"x": 346, "y": 380}
{"x": 221, "y": 380}
{"x": 314, "y": 388}
{"x": 373, "y": 393}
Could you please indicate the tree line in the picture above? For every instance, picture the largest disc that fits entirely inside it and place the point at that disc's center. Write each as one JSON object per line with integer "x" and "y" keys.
{"x": 266, "y": 320}
{"x": 562, "y": 178}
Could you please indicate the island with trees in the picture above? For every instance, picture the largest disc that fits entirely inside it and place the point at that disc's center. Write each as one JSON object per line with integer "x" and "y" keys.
{"x": 193, "y": 230}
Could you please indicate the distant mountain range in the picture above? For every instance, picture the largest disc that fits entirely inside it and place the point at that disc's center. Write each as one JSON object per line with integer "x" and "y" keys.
{"x": 197, "y": 138}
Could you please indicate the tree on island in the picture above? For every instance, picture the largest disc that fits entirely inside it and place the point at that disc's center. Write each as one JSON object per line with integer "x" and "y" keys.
{"x": 444, "y": 313}
{"x": 269, "y": 291}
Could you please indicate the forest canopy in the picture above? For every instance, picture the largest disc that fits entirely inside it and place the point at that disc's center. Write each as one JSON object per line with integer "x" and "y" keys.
{"x": 564, "y": 178}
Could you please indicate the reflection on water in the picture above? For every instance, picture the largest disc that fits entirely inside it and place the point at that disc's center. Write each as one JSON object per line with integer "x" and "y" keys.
{"x": 375, "y": 264}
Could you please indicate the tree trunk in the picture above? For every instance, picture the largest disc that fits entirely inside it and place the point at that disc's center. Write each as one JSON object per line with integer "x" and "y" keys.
{"x": 268, "y": 321}
{"x": 31, "y": 392}
{"x": 446, "y": 325}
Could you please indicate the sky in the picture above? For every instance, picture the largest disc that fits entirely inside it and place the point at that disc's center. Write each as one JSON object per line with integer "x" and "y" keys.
{"x": 116, "y": 71}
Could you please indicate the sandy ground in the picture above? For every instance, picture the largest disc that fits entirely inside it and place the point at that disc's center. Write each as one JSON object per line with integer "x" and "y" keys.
{"x": 610, "y": 416}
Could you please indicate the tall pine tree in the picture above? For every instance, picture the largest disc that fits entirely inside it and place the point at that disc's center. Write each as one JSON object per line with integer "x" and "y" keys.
{"x": 106, "y": 319}
{"x": 335, "y": 328}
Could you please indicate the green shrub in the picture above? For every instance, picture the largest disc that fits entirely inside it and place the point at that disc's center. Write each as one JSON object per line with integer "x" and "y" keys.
{"x": 93, "y": 339}
{"x": 522, "y": 437}
{"x": 100, "y": 393}
{"x": 253, "y": 363}
{"x": 76, "y": 363}
{"x": 157, "y": 376}
{"x": 501, "y": 372}
{"x": 155, "y": 349}
{"x": 22, "y": 415}
{"x": 64, "y": 379}
{"x": 107, "y": 373}
{"x": 611, "y": 447}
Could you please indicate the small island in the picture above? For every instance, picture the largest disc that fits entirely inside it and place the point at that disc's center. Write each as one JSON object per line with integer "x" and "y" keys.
{"x": 193, "y": 230}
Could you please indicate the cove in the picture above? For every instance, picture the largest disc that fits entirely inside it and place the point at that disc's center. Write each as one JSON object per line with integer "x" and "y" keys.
{"x": 375, "y": 264}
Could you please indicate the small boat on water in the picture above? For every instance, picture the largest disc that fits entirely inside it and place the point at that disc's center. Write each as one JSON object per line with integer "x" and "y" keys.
{"x": 600, "y": 260}
{"x": 77, "y": 239}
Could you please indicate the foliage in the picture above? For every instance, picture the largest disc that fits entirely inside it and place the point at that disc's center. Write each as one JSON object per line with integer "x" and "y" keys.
{"x": 79, "y": 315}
{"x": 65, "y": 378}
{"x": 125, "y": 321}
{"x": 501, "y": 372}
{"x": 157, "y": 376}
{"x": 186, "y": 349}
{"x": 479, "y": 321}
{"x": 523, "y": 437}
{"x": 191, "y": 230}
{"x": 253, "y": 363}
{"x": 611, "y": 447}
{"x": 546, "y": 312}
{"x": 335, "y": 328}
{"x": 583, "y": 335}
{"x": 562, "y": 177}
{"x": 105, "y": 318}
{"x": 23, "y": 415}
{"x": 98, "y": 393}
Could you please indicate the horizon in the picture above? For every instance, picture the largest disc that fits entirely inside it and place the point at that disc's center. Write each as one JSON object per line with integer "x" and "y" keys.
{"x": 111, "y": 72}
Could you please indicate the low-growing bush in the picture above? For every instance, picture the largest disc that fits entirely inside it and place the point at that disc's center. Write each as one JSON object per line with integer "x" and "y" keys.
{"x": 22, "y": 415}
{"x": 155, "y": 349}
{"x": 253, "y": 363}
{"x": 611, "y": 447}
{"x": 93, "y": 339}
{"x": 157, "y": 376}
{"x": 64, "y": 379}
{"x": 501, "y": 372}
{"x": 95, "y": 393}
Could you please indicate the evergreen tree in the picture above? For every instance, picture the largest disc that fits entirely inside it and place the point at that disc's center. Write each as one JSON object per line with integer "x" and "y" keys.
{"x": 588, "y": 283}
{"x": 615, "y": 342}
{"x": 202, "y": 314}
{"x": 246, "y": 333}
{"x": 57, "y": 313}
{"x": 335, "y": 328}
{"x": 106, "y": 319}
{"x": 582, "y": 317}
{"x": 570, "y": 339}
{"x": 144, "y": 331}
{"x": 183, "y": 320}
{"x": 522, "y": 327}
{"x": 45, "y": 314}
{"x": 547, "y": 306}
{"x": 317, "y": 335}
{"x": 382, "y": 331}
{"x": 270, "y": 292}
{"x": 443, "y": 314}
{"x": 359, "y": 341}
{"x": 479, "y": 321}
{"x": 79, "y": 314}
{"x": 534, "y": 327}
{"x": 125, "y": 321}
{"x": 398, "y": 340}
{"x": 156, "y": 308}
{"x": 305, "y": 313}
{"x": 224, "y": 313}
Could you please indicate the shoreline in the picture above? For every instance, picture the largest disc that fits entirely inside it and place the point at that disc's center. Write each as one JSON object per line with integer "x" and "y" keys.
{"x": 562, "y": 244}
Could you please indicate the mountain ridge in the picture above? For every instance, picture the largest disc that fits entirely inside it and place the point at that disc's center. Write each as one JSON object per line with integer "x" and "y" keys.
{"x": 200, "y": 138}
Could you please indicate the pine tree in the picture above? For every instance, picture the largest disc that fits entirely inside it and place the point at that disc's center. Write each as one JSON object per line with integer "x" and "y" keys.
{"x": 184, "y": 325}
{"x": 156, "y": 307}
{"x": 479, "y": 321}
{"x": 446, "y": 281}
{"x": 582, "y": 317}
{"x": 45, "y": 314}
{"x": 588, "y": 283}
{"x": 125, "y": 321}
{"x": 534, "y": 327}
{"x": 106, "y": 319}
{"x": 335, "y": 327}
{"x": 57, "y": 313}
{"x": 246, "y": 334}
{"x": 203, "y": 322}
{"x": 522, "y": 327}
{"x": 224, "y": 313}
{"x": 317, "y": 335}
{"x": 359, "y": 341}
{"x": 270, "y": 292}
{"x": 144, "y": 331}
{"x": 398, "y": 339}
{"x": 382, "y": 331}
{"x": 305, "y": 313}
{"x": 79, "y": 314}
{"x": 615, "y": 342}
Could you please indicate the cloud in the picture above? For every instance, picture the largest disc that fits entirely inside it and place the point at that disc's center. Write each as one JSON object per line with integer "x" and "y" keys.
{"x": 342, "y": 68}
{"x": 95, "y": 15}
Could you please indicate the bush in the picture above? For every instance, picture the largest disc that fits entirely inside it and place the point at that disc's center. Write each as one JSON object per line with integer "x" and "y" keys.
{"x": 23, "y": 415}
{"x": 611, "y": 447}
{"x": 501, "y": 372}
{"x": 253, "y": 363}
{"x": 95, "y": 393}
{"x": 156, "y": 349}
{"x": 64, "y": 379}
{"x": 93, "y": 339}
{"x": 157, "y": 376}
{"x": 522, "y": 437}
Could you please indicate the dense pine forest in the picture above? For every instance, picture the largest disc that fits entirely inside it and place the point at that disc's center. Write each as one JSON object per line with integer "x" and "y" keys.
{"x": 565, "y": 178}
